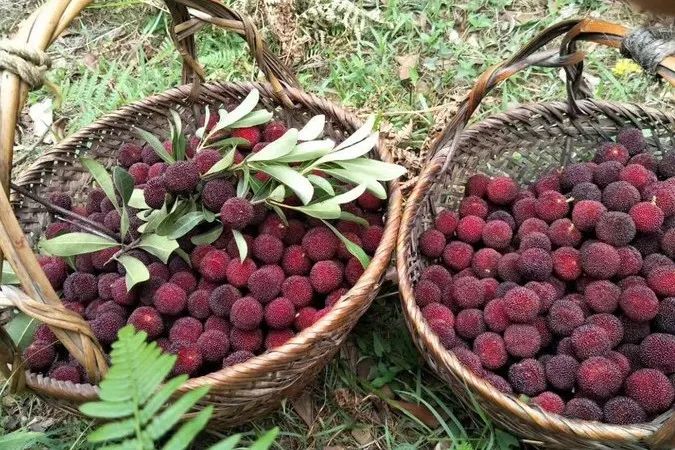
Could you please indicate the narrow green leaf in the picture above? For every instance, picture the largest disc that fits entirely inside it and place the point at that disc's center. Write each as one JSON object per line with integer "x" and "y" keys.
{"x": 21, "y": 329}
{"x": 350, "y": 195}
{"x": 349, "y": 217}
{"x": 242, "y": 246}
{"x": 313, "y": 129}
{"x": 280, "y": 213}
{"x": 171, "y": 415}
{"x": 128, "y": 444}
{"x": 321, "y": 183}
{"x": 227, "y": 444}
{"x": 155, "y": 219}
{"x": 156, "y": 145}
{"x": 136, "y": 271}
{"x": 24, "y": 439}
{"x": 137, "y": 200}
{"x": 284, "y": 174}
{"x": 124, "y": 223}
{"x": 278, "y": 194}
{"x": 160, "y": 246}
{"x": 245, "y": 107}
{"x": 253, "y": 118}
{"x": 124, "y": 183}
{"x": 227, "y": 143}
{"x": 266, "y": 440}
{"x": 182, "y": 438}
{"x": 359, "y": 134}
{"x": 107, "y": 410}
{"x": 208, "y": 237}
{"x": 276, "y": 149}
{"x": 102, "y": 177}
{"x": 351, "y": 152}
{"x": 379, "y": 170}
{"x": 320, "y": 210}
{"x": 8, "y": 275}
{"x": 113, "y": 430}
{"x": 161, "y": 397}
{"x": 374, "y": 186}
{"x": 202, "y": 129}
{"x": 354, "y": 249}
{"x": 224, "y": 163}
{"x": 307, "y": 151}
{"x": 243, "y": 183}
{"x": 76, "y": 244}
{"x": 185, "y": 224}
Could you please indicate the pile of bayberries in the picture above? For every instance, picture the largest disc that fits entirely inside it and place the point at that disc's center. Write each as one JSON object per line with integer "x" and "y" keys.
{"x": 563, "y": 291}
{"x": 248, "y": 265}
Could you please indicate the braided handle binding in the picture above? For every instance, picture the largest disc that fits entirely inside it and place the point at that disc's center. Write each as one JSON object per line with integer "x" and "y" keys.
{"x": 568, "y": 57}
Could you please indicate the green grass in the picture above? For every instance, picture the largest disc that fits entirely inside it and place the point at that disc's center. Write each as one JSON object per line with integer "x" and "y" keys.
{"x": 354, "y": 399}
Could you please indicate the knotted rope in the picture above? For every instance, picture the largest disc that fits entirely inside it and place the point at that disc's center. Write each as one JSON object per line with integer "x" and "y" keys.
{"x": 29, "y": 64}
{"x": 649, "y": 46}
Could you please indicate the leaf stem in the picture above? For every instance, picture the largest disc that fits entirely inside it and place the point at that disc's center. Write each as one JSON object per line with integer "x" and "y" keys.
{"x": 91, "y": 225}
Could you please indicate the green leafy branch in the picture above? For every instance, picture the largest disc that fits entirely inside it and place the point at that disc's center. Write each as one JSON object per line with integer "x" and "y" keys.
{"x": 139, "y": 410}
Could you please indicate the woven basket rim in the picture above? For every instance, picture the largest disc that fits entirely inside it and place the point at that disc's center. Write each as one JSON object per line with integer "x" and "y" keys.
{"x": 279, "y": 355}
{"x": 580, "y": 428}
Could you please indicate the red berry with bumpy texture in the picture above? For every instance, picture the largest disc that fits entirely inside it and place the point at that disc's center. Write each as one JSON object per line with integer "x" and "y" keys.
{"x": 298, "y": 290}
{"x": 237, "y": 357}
{"x": 274, "y": 130}
{"x": 250, "y": 134}
{"x": 279, "y": 313}
{"x": 277, "y": 338}
{"x": 217, "y": 323}
{"x": 457, "y": 255}
{"x": 498, "y": 382}
{"x": 39, "y": 355}
{"x": 567, "y": 263}
{"x": 188, "y": 360}
{"x": 495, "y": 315}
{"x": 646, "y": 160}
{"x": 535, "y": 264}
{"x": 485, "y": 261}
{"x": 587, "y": 213}
{"x": 561, "y": 371}
{"x": 637, "y": 175}
{"x": 602, "y": 296}
{"x": 170, "y": 299}
{"x": 507, "y": 267}
{"x": 267, "y": 248}
{"x": 432, "y": 243}
{"x": 371, "y": 237}
{"x": 662, "y": 280}
{"x": 524, "y": 209}
{"x": 523, "y": 341}
{"x": 502, "y": 190}
{"x": 198, "y": 304}
{"x": 586, "y": 191}
{"x": 575, "y": 174}
{"x": 477, "y": 185}
{"x": 239, "y": 272}
{"x": 157, "y": 169}
{"x": 236, "y": 213}
{"x": 491, "y": 350}
{"x": 185, "y": 280}
{"x": 600, "y": 260}
{"x": 583, "y": 408}
{"x": 246, "y": 313}
{"x": 611, "y": 324}
{"x": 249, "y": 340}
{"x": 181, "y": 177}
{"x": 446, "y": 222}
{"x": 205, "y": 159}
{"x": 196, "y": 255}
{"x": 469, "y": 229}
{"x": 551, "y": 206}
{"x": 468, "y": 292}
{"x": 651, "y": 389}
{"x": 610, "y": 151}
{"x": 599, "y": 377}
{"x": 66, "y": 372}
{"x": 295, "y": 261}
{"x": 549, "y": 402}
{"x": 665, "y": 319}
{"x": 527, "y": 377}
{"x": 666, "y": 167}
{"x": 657, "y": 351}
{"x": 305, "y": 318}
{"x": 146, "y": 318}
{"x": 265, "y": 283}
{"x": 564, "y": 316}
{"x": 154, "y": 192}
{"x": 620, "y": 196}
{"x": 213, "y": 345}
{"x": 468, "y": 359}
{"x": 326, "y": 276}
{"x": 639, "y": 303}
{"x": 535, "y": 239}
{"x": 185, "y": 329}
{"x": 222, "y": 298}
{"x": 129, "y": 154}
{"x": 497, "y": 234}
{"x": 607, "y": 172}
{"x": 521, "y": 304}
{"x": 563, "y": 233}
{"x": 632, "y": 139}
{"x": 353, "y": 271}
{"x": 216, "y": 192}
{"x": 436, "y": 311}
{"x": 590, "y": 340}
{"x": 630, "y": 261}
{"x": 623, "y": 411}
{"x": 321, "y": 244}
{"x": 469, "y": 323}
{"x": 438, "y": 275}
{"x": 106, "y": 326}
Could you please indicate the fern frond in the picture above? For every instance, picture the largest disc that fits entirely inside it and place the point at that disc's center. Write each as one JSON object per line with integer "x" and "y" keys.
{"x": 131, "y": 394}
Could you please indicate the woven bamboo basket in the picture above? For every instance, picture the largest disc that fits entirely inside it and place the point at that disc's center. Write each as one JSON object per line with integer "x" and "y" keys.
{"x": 545, "y": 135}
{"x": 239, "y": 393}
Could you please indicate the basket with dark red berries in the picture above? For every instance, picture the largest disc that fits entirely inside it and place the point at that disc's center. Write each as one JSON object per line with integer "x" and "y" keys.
{"x": 535, "y": 260}
{"x": 243, "y": 227}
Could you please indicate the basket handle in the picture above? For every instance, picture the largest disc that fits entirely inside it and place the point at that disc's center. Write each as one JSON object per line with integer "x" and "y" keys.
{"x": 188, "y": 22}
{"x": 647, "y": 47}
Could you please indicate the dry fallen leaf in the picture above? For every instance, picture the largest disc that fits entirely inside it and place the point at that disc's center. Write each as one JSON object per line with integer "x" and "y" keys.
{"x": 41, "y": 114}
{"x": 304, "y": 407}
{"x": 363, "y": 435}
{"x": 420, "y": 412}
{"x": 406, "y": 64}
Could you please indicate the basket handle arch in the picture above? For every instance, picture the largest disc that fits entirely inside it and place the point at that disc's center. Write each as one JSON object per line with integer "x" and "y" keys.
{"x": 653, "y": 50}
{"x": 38, "y": 299}
{"x": 655, "y": 60}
